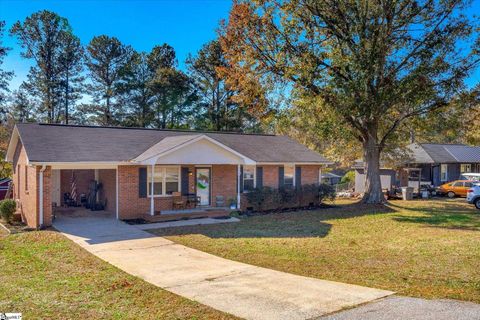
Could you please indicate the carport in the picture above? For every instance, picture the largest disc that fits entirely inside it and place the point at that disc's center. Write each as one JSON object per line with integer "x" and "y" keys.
{"x": 78, "y": 183}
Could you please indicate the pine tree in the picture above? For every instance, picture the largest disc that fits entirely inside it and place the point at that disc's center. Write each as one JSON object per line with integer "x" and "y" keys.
{"x": 172, "y": 90}
{"x": 218, "y": 111}
{"x": 41, "y": 36}
{"x": 137, "y": 95}
{"x": 5, "y": 76}
{"x": 22, "y": 107}
{"x": 70, "y": 65}
{"x": 107, "y": 62}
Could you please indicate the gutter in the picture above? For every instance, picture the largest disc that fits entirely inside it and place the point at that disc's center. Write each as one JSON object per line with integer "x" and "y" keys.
{"x": 40, "y": 225}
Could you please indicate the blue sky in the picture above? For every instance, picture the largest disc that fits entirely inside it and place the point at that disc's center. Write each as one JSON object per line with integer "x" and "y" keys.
{"x": 184, "y": 24}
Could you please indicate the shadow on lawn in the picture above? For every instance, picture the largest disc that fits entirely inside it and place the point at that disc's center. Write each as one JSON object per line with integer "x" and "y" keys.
{"x": 448, "y": 216}
{"x": 299, "y": 224}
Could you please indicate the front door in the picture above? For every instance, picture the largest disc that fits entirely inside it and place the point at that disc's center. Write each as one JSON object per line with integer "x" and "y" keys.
{"x": 203, "y": 185}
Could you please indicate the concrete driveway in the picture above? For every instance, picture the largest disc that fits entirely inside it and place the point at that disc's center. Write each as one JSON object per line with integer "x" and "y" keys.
{"x": 401, "y": 308}
{"x": 240, "y": 289}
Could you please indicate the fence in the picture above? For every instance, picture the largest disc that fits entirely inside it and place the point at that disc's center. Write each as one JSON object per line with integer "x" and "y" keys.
{"x": 341, "y": 187}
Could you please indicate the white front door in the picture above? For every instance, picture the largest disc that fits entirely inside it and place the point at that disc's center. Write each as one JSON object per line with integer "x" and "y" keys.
{"x": 56, "y": 196}
{"x": 203, "y": 185}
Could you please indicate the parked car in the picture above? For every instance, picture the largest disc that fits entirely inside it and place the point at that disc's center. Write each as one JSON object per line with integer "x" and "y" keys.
{"x": 473, "y": 195}
{"x": 470, "y": 176}
{"x": 457, "y": 188}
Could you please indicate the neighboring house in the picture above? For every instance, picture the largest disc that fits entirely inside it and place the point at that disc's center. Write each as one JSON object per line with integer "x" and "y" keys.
{"x": 426, "y": 164}
{"x": 387, "y": 177}
{"x": 4, "y": 185}
{"x": 131, "y": 162}
{"x": 437, "y": 164}
{"x": 331, "y": 178}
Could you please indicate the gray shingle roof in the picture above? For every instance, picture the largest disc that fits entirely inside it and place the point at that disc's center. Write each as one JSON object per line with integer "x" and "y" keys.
{"x": 444, "y": 153}
{"x": 464, "y": 153}
{"x": 62, "y": 143}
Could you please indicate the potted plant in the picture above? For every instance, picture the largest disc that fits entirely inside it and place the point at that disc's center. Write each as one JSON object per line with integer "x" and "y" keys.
{"x": 232, "y": 203}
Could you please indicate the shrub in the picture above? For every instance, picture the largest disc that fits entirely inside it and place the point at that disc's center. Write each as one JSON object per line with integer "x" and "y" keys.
{"x": 266, "y": 198}
{"x": 348, "y": 177}
{"x": 7, "y": 209}
{"x": 326, "y": 191}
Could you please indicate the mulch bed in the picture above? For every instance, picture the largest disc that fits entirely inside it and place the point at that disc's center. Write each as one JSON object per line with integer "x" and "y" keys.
{"x": 14, "y": 227}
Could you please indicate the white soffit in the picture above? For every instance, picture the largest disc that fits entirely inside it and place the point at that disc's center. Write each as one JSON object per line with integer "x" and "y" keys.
{"x": 191, "y": 149}
{"x": 165, "y": 145}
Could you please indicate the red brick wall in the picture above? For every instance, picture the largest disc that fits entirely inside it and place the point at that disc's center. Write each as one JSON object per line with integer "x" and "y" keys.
{"x": 25, "y": 190}
{"x": 310, "y": 174}
{"x": 191, "y": 179}
{"x": 107, "y": 177}
{"x": 83, "y": 178}
{"x": 130, "y": 205}
{"x": 47, "y": 194}
{"x": 270, "y": 176}
{"x": 224, "y": 182}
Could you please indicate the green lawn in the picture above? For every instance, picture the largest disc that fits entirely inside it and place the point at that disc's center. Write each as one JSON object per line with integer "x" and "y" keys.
{"x": 45, "y": 276}
{"x": 419, "y": 248}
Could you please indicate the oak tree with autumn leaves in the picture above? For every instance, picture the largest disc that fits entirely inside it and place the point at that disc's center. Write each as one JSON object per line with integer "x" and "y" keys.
{"x": 374, "y": 64}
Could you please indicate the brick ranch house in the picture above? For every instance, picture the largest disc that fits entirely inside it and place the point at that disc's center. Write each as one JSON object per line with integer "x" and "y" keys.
{"x": 223, "y": 165}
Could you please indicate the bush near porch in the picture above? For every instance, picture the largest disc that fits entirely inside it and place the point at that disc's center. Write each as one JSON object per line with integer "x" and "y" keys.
{"x": 271, "y": 199}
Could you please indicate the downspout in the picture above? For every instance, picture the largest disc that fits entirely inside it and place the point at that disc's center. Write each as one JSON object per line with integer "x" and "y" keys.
{"x": 40, "y": 224}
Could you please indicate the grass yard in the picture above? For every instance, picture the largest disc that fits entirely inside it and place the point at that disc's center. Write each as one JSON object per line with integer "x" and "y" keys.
{"x": 424, "y": 248}
{"x": 45, "y": 276}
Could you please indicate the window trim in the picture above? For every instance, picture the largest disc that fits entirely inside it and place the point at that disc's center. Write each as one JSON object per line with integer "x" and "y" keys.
{"x": 285, "y": 165}
{"x": 19, "y": 179}
{"x": 254, "y": 177}
{"x": 444, "y": 165}
{"x": 466, "y": 171}
{"x": 164, "y": 180}
{"x": 26, "y": 178}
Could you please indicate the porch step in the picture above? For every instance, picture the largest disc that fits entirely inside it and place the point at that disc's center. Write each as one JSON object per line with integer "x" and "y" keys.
{"x": 211, "y": 213}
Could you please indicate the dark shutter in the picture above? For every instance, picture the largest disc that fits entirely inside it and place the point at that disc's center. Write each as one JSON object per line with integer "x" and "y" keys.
{"x": 298, "y": 177}
{"x": 184, "y": 183}
{"x": 259, "y": 177}
{"x": 241, "y": 179}
{"x": 142, "y": 182}
{"x": 281, "y": 177}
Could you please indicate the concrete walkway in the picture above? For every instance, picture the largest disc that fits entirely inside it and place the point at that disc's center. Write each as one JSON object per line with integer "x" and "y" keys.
{"x": 240, "y": 289}
{"x": 183, "y": 223}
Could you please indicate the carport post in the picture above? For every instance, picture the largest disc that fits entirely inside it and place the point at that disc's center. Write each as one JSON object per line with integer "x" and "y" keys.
{"x": 152, "y": 203}
{"x": 116, "y": 192}
{"x": 239, "y": 181}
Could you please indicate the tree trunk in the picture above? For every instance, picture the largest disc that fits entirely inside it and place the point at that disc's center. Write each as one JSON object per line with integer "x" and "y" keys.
{"x": 66, "y": 98}
{"x": 107, "y": 112}
{"x": 373, "y": 186}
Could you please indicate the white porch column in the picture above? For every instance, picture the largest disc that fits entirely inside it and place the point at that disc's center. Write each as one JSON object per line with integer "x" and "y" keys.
{"x": 152, "y": 202}
{"x": 239, "y": 180}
